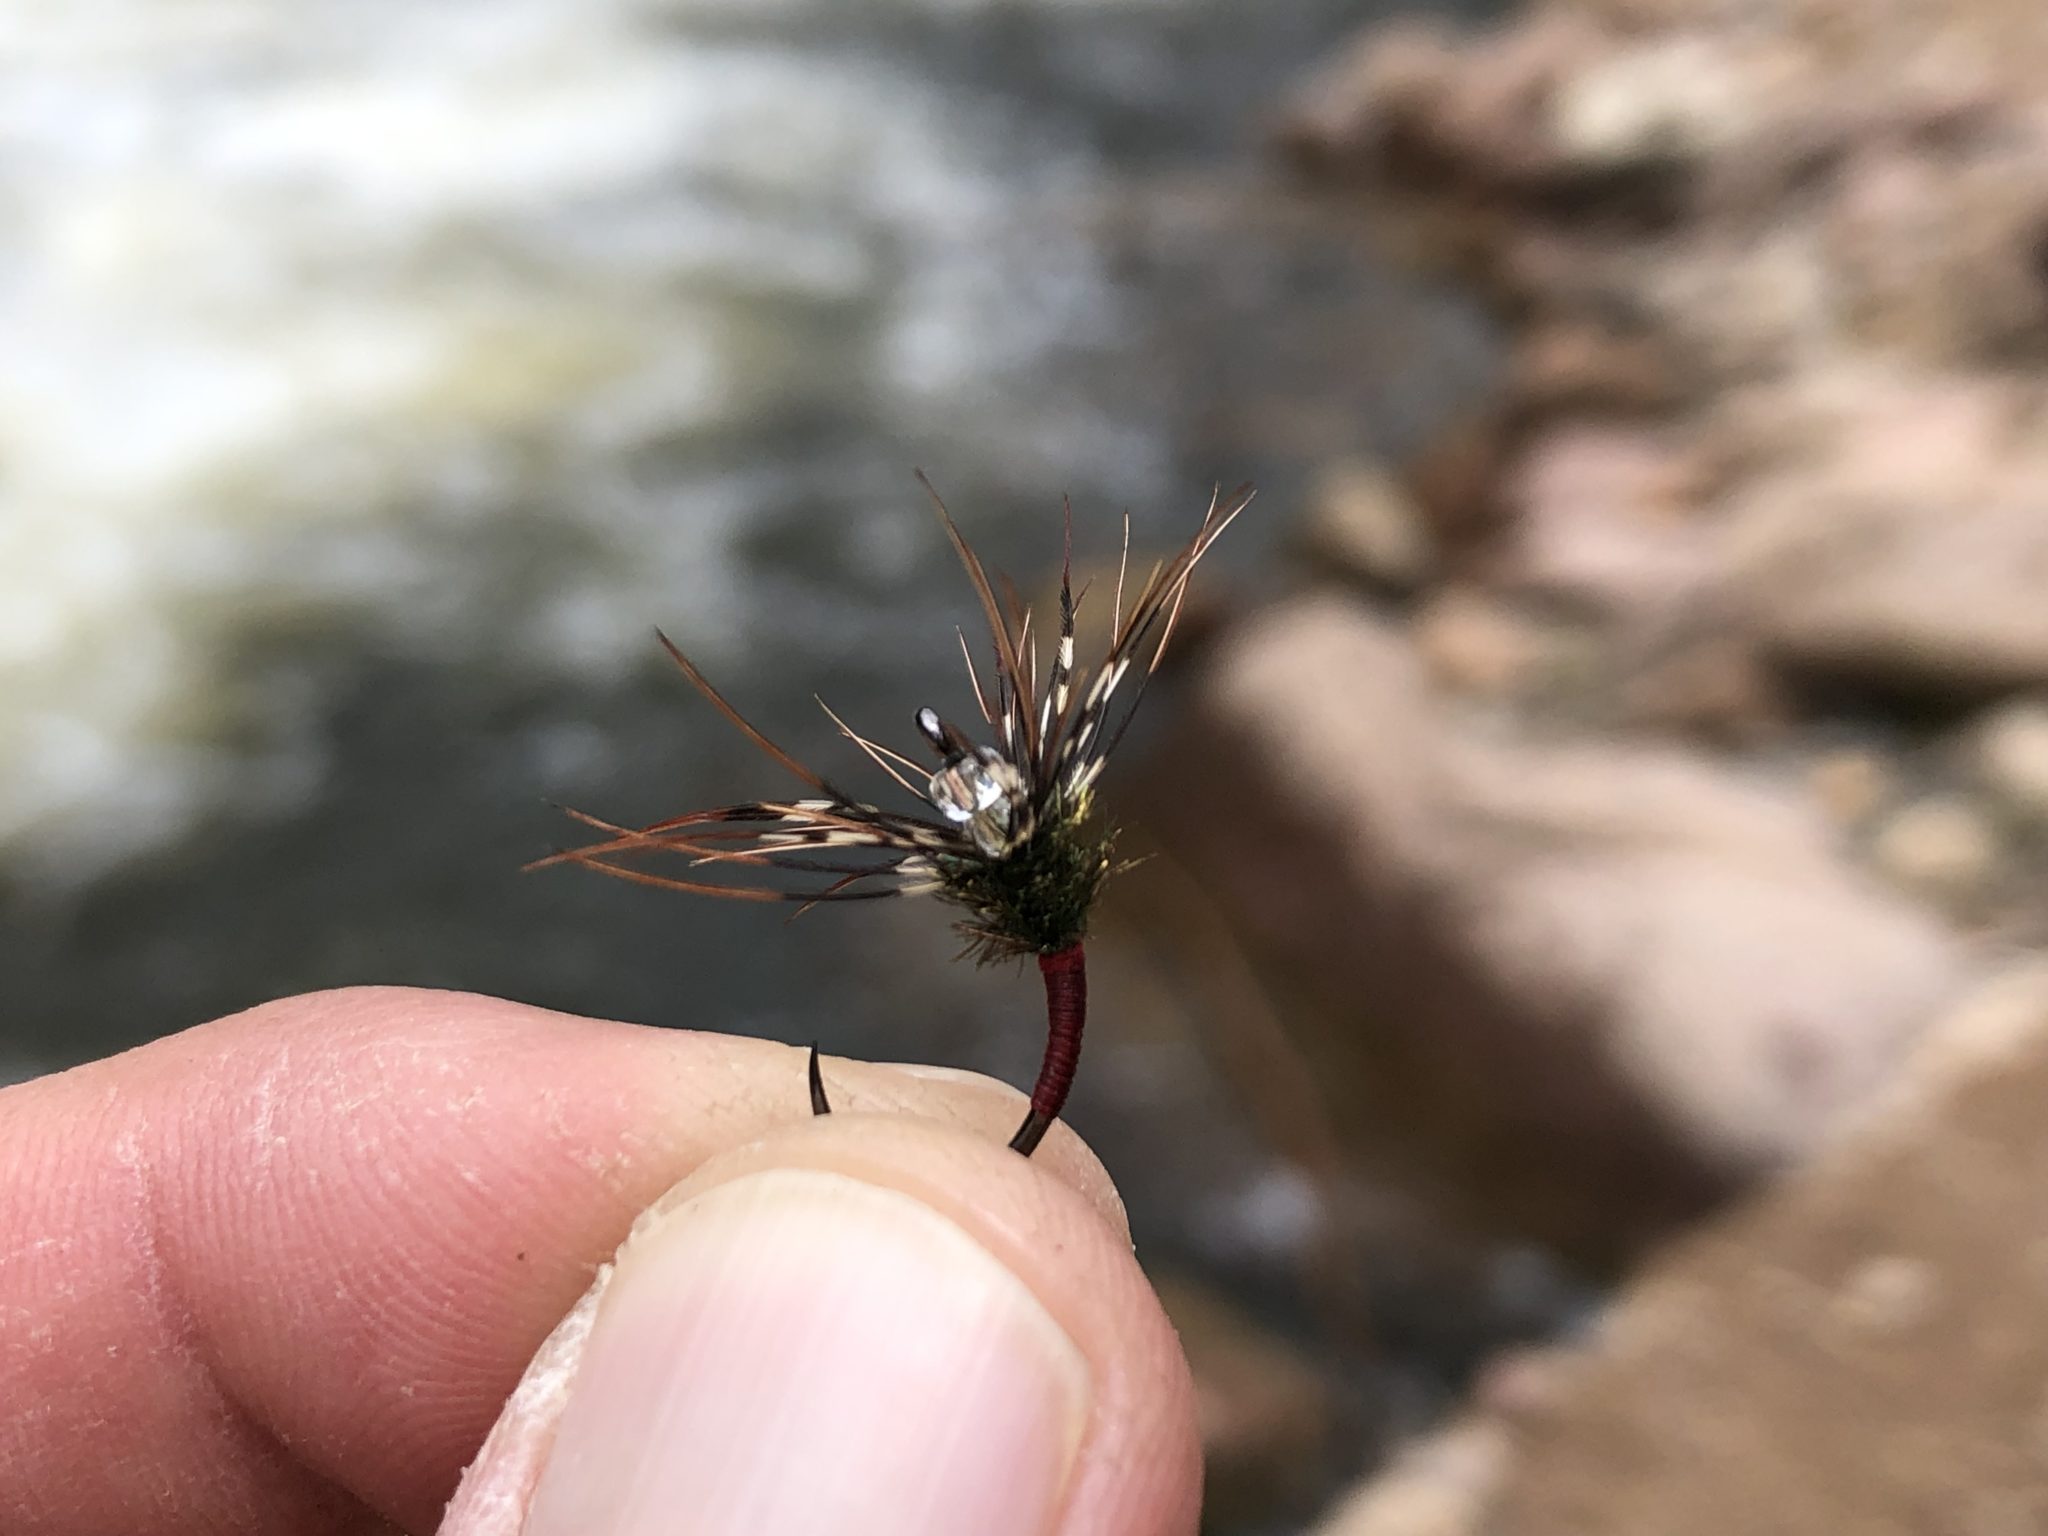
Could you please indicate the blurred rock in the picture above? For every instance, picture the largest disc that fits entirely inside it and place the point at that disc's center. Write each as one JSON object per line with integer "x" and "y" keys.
{"x": 1521, "y": 1386}
{"x": 1941, "y": 846}
{"x": 1935, "y": 253}
{"x": 1857, "y": 1349}
{"x": 1405, "y": 102}
{"x": 1452, "y": 479}
{"x": 1361, "y": 520}
{"x": 1589, "y": 987}
{"x": 1854, "y": 1347}
{"x": 1473, "y": 642}
{"x": 1771, "y": 443}
{"x": 1903, "y": 597}
{"x": 1715, "y": 688}
{"x": 1667, "y": 103}
{"x": 1442, "y": 1485}
{"x": 1345, "y": 113}
{"x": 1850, "y": 784}
{"x": 2009, "y": 753}
{"x": 1574, "y": 365}
{"x": 1882, "y": 537}
{"x": 1774, "y": 286}
{"x": 1600, "y": 519}
{"x": 1267, "y": 1414}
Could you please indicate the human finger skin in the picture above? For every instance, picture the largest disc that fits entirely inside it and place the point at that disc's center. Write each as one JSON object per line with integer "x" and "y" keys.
{"x": 855, "y": 1327}
{"x": 280, "y": 1272}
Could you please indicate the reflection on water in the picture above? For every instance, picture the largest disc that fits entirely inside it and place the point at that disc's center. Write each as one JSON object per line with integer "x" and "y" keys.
{"x": 379, "y": 375}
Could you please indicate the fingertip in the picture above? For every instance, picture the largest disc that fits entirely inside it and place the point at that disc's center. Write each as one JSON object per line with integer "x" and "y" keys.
{"x": 414, "y": 1185}
{"x": 986, "y": 1108}
{"x": 946, "y": 1335}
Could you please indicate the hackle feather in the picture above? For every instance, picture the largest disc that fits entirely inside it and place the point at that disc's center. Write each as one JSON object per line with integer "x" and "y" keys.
{"x": 1002, "y": 830}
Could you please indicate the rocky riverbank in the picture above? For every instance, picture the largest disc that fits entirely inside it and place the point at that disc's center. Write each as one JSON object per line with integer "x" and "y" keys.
{"x": 1646, "y": 809}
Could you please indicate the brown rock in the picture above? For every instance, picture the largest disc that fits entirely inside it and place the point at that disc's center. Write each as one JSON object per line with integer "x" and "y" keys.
{"x": 1343, "y": 117}
{"x": 1522, "y": 1385}
{"x": 1578, "y": 365}
{"x": 1945, "y": 598}
{"x": 1443, "y": 1485}
{"x": 1936, "y": 254}
{"x": 1401, "y": 101}
{"x": 1850, "y": 784}
{"x": 1592, "y": 987}
{"x": 2010, "y": 757}
{"x": 1858, "y": 1349}
{"x": 1941, "y": 846}
{"x": 1452, "y": 479}
{"x": 1361, "y": 520}
{"x": 1474, "y": 643}
{"x": 1768, "y": 1374}
{"x": 1744, "y": 989}
{"x": 1806, "y": 236}
{"x": 1884, "y": 539}
{"x": 1665, "y": 102}
{"x": 1600, "y": 519}
{"x": 1716, "y": 688}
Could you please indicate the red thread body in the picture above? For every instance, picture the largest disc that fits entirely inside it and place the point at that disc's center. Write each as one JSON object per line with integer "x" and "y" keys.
{"x": 1066, "y": 1012}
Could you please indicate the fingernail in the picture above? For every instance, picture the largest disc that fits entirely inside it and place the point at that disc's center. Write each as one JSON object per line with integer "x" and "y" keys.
{"x": 799, "y": 1353}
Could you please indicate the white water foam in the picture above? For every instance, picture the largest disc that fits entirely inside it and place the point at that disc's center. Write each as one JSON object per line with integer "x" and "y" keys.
{"x": 315, "y": 313}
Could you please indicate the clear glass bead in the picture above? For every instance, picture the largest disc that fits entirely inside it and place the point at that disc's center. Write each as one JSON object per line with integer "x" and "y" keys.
{"x": 970, "y": 791}
{"x": 964, "y": 788}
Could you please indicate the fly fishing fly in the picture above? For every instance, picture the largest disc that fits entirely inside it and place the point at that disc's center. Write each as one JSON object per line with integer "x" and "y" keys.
{"x": 1007, "y": 829}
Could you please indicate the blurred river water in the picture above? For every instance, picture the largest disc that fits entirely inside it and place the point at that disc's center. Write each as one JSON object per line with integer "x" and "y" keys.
{"x": 378, "y": 376}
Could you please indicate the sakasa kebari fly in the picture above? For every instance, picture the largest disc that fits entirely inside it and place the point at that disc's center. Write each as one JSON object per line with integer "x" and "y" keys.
{"x": 1006, "y": 829}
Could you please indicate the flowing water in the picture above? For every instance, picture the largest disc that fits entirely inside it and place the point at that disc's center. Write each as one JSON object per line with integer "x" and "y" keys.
{"x": 378, "y": 375}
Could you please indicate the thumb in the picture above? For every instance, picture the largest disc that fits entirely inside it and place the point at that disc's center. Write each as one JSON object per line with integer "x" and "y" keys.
{"x": 859, "y": 1327}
